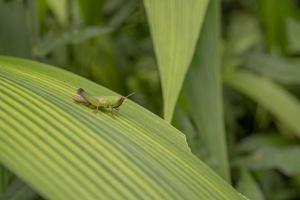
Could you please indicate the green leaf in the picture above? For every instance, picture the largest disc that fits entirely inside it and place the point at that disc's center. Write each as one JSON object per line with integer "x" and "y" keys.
{"x": 273, "y": 17}
{"x": 285, "y": 159}
{"x": 65, "y": 150}
{"x": 18, "y": 190}
{"x": 293, "y": 32}
{"x": 59, "y": 9}
{"x": 242, "y": 33}
{"x": 91, "y": 11}
{"x": 185, "y": 124}
{"x": 249, "y": 187}
{"x": 275, "y": 187}
{"x": 5, "y": 178}
{"x": 259, "y": 140}
{"x": 269, "y": 95}
{"x": 204, "y": 89}
{"x": 275, "y": 67}
{"x": 122, "y": 11}
{"x": 51, "y": 42}
{"x": 175, "y": 26}
{"x": 15, "y": 33}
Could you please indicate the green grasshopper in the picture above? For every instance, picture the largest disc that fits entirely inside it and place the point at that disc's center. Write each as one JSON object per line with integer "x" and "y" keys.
{"x": 106, "y": 103}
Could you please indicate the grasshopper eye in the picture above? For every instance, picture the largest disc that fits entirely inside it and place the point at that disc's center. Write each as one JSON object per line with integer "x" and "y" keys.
{"x": 80, "y": 90}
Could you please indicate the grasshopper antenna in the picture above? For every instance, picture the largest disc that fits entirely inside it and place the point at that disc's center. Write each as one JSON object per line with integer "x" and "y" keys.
{"x": 121, "y": 99}
{"x": 126, "y": 97}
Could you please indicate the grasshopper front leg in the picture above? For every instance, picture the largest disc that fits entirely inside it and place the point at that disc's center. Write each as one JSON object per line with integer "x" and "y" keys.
{"x": 96, "y": 110}
{"x": 113, "y": 111}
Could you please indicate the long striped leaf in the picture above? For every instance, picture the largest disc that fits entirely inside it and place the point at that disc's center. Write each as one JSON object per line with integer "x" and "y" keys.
{"x": 66, "y": 151}
{"x": 175, "y": 26}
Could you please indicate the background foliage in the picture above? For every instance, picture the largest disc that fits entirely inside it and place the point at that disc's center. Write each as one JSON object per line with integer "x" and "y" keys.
{"x": 243, "y": 82}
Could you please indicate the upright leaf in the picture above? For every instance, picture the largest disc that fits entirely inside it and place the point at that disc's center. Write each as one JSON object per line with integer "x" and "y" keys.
{"x": 293, "y": 32}
{"x": 249, "y": 187}
{"x": 5, "y": 178}
{"x": 66, "y": 151}
{"x": 204, "y": 88}
{"x": 91, "y": 11}
{"x": 60, "y": 10}
{"x": 273, "y": 17}
{"x": 14, "y": 28}
{"x": 175, "y": 26}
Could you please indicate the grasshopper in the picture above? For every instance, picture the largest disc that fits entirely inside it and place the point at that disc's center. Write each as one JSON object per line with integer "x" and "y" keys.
{"x": 106, "y": 103}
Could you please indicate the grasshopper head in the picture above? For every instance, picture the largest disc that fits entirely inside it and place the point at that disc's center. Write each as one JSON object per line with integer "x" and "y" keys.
{"x": 121, "y": 99}
{"x": 119, "y": 102}
{"x": 80, "y": 91}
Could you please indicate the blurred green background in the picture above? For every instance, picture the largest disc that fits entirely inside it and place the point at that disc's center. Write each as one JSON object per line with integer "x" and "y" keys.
{"x": 109, "y": 42}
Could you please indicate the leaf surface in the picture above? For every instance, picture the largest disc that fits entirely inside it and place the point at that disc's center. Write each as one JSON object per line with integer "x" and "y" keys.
{"x": 65, "y": 150}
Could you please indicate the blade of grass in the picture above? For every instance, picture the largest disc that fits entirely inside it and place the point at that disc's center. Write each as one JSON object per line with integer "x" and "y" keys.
{"x": 204, "y": 89}
{"x": 60, "y": 10}
{"x": 5, "y": 178}
{"x": 14, "y": 30}
{"x": 293, "y": 32}
{"x": 249, "y": 187}
{"x": 91, "y": 11}
{"x": 51, "y": 42}
{"x": 66, "y": 151}
{"x": 273, "y": 17}
{"x": 269, "y": 95}
{"x": 260, "y": 140}
{"x": 285, "y": 159}
{"x": 18, "y": 190}
{"x": 273, "y": 24}
{"x": 175, "y": 26}
{"x": 274, "y": 67}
